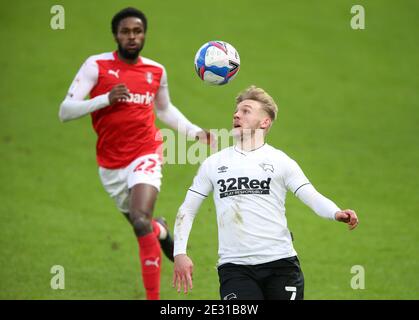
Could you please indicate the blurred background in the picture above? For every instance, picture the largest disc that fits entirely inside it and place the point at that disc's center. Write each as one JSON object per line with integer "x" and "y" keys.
{"x": 348, "y": 114}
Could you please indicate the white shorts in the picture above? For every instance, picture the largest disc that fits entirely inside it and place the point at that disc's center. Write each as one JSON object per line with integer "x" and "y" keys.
{"x": 117, "y": 182}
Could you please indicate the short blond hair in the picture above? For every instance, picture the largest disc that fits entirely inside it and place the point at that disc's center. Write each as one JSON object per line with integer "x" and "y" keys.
{"x": 261, "y": 96}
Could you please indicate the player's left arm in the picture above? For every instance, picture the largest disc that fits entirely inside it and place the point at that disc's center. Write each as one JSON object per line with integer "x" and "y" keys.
{"x": 171, "y": 116}
{"x": 325, "y": 207}
{"x": 298, "y": 183}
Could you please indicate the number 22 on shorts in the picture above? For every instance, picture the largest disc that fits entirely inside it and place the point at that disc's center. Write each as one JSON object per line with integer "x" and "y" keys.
{"x": 146, "y": 165}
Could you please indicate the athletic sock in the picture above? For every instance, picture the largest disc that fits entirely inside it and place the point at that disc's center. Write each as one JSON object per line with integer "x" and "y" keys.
{"x": 150, "y": 257}
{"x": 159, "y": 230}
{"x": 156, "y": 228}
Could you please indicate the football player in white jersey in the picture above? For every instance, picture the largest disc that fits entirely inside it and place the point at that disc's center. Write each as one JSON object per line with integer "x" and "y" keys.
{"x": 249, "y": 181}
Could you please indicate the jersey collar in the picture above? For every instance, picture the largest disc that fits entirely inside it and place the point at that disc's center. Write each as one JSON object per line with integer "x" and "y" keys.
{"x": 245, "y": 153}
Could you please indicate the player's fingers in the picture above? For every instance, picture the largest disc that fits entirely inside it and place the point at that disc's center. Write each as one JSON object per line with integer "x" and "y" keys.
{"x": 183, "y": 283}
{"x": 179, "y": 285}
{"x": 354, "y": 219}
{"x": 351, "y": 215}
{"x": 346, "y": 218}
{"x": 118, "y": 90}
{"x": 176, "y": 283}
{"x": 174, "y": 279}
{"x": 122, "y": 91}
{"x": 118, "y": 96}
{"x": 125, "y": 94}
{"x": 189, "y": 279}
{"x": 122, "y": 96}
{"x": 343, "y": 216}
{"x": 353, "y": 223}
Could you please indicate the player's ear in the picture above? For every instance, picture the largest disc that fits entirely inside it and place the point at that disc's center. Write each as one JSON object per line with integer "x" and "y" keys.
{"x": 265, "y": 123}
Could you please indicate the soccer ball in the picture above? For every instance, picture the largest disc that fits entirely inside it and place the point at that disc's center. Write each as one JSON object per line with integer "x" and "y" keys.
{"x": 217, "y": 62}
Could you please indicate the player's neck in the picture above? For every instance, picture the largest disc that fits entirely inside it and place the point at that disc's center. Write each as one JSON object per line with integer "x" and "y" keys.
{"x": 250, "y": 143}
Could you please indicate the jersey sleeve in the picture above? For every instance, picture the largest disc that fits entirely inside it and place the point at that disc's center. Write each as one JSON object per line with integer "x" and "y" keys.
{"x": 199, "y": 190}
{"x": 184, "y": 220}
{"x": 294, "y": 177}
{"x": 321, "y": 205}
{"x": 74, "y": 106}
{"x": 202, "y": 185}
{"x": 162, "y": 96}
{"x": 85, "y": 80}
{"x": 170, "y": 114}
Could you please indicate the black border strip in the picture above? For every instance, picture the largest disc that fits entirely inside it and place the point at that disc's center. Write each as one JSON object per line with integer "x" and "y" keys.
{"x": 198, "y": 193}
{"x": 295, "y": 192}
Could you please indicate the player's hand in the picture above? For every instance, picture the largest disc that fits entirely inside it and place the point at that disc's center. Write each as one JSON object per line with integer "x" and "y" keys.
{"x": 207, "y": 137}
{"x": 348, "y": 216}
{"x": 118, "y": 93}
{"x": 182, "y": 275}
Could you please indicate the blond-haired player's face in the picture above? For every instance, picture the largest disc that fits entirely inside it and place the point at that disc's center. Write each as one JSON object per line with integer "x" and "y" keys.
{"x": 248, "y": 117}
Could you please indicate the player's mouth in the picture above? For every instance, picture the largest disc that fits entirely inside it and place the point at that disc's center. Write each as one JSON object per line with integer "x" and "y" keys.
{"x": 132, "y": 46}
{"x": 236, "y": 125}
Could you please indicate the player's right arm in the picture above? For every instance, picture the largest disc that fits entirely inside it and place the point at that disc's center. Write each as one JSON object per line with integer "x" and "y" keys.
{"x": 183, "y": 266}
{"x": 74, "y": 106}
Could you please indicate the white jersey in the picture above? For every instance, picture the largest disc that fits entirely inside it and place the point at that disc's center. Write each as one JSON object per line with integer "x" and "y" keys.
{"x": 249, "y": 194}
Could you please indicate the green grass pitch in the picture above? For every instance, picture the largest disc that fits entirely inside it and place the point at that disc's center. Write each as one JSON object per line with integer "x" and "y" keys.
{"x": 349, "y": 115}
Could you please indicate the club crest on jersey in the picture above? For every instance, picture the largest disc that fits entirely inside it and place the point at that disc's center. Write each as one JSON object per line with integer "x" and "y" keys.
{"x": 267, "y": 167}
{"x": 149, "y": 77}
{"x": 242, "y": 186}
{"x": 230, "y": 296}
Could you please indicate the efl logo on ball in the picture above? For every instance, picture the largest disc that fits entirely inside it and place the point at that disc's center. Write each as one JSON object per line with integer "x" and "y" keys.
{"x": 217, "y": 62}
